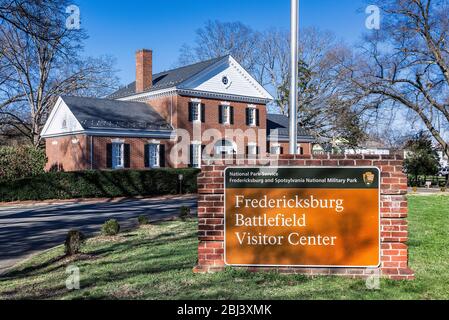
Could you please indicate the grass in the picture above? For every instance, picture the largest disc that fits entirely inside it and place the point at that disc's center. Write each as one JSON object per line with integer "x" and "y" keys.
{"x": 155, "y": 262}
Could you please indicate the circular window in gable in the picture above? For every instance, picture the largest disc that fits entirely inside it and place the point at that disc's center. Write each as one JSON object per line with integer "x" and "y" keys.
{"x": 225, "y": 80}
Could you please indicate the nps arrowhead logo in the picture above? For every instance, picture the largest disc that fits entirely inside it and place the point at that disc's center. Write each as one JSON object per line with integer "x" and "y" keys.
{"x": 368, "y": 178}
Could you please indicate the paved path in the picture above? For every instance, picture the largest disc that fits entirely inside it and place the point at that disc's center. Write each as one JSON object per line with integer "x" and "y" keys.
{"x": 25, "y": 230}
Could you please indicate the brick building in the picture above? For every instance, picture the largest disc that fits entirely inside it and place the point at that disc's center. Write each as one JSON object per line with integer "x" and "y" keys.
{"x": 170, "y": 119}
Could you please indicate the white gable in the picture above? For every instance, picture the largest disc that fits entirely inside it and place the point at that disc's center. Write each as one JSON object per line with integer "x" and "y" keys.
{"x": 239, "y": 81}
{"x": 61, "y": 121}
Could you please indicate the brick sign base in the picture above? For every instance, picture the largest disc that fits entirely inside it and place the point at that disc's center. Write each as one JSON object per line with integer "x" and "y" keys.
{"x": 393, "y": 208}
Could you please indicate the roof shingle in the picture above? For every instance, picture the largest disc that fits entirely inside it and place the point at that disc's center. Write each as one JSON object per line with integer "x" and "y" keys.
{"x": 167, "y": 79}
{"x": 93, "y": 113}
{"x": 281, "y": 123}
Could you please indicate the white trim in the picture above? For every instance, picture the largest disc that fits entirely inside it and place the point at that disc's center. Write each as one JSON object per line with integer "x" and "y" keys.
{"x": 183, "y": 87}
{"x": 59, "y": 103}
{"x": 229, "y": 60}
{"x": 145, "y": 97}
{"x": 226, "y": 112}
{"x": 118, "y": 133}
{"x": 117, "y": 141}
{"x": 158, "y": 154}
{"x": 195, "y": 100}
{"x": 225, "y": 103}
{"x": 121, "y": 145}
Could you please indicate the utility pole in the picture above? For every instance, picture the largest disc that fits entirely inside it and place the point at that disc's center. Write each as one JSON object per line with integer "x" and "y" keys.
{"x": 294, "y": 77}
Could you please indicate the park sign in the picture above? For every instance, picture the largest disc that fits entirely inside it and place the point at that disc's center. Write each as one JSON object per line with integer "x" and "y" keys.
{"x": 302, "y": 216}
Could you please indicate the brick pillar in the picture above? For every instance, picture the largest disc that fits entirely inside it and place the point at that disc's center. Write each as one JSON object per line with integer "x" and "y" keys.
{"x": 393, "y": 206}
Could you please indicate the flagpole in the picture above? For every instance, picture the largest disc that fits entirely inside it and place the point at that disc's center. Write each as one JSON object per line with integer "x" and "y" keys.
{"x": 293, "y": 113}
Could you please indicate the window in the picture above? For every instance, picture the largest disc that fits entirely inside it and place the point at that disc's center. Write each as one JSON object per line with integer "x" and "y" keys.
{"x": 252, "y": 149}
{"x": 154, "y": 150}
{"x": 226, "y": 114}
{"x": 252, "y": 116}
{"x": 196, "y": 111}
{"x": 64, "y": 123}
{"x": 195, "y": 155}
{"x": 118, "y": 151}
{"x": 276, "y": 149}
{"x": 224, "y": 147}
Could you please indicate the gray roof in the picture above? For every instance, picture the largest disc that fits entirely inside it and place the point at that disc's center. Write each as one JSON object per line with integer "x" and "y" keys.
{"x": 281, "y": 123}
{"x": 93, "y": 113}
{"x": 167, "y": 79}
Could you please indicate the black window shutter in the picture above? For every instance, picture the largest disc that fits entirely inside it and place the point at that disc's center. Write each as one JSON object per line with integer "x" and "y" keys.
{"x": 247, "y": 116}
{"x": 231, "y": 112}
{"x": 109, "y": 156}
{"x": 203, "y": 112}
{"x": 127, "y": 156}
{"x": 203, "y": 147}
{"x": 220, "y": 114}
{"x": 147, "y": 156}
{"x": 162, "y": 155}
{"x": 191, "y": 156}
{"x": 190, "y": 111}
{"x": 247, "y": 150}
{"x": 257, "y": 150}
{"x": 257, "y": 117}
{"x": 282, "y": 150}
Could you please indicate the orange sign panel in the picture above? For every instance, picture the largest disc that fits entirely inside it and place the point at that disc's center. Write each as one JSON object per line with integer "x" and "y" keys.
{"x": 311, "y": 217}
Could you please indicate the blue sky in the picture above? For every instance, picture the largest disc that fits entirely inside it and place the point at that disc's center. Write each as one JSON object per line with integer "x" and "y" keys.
{"x": 119, "y": 28}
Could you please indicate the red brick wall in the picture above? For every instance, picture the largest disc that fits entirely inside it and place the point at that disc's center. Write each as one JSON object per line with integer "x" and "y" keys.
{"x": 212, "y": 118}
{"x": 69, "y": 156}
{"x": 68, "y": 153}
{"x": 394, "y": 229}
{"x": 137, "y": 148}
{"x": 144, "y": 70}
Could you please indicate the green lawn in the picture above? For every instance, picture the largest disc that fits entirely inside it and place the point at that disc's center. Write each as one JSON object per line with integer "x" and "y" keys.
{"x": 155, "y": 262}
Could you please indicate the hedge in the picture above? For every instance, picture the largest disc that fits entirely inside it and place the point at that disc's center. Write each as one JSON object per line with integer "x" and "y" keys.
{"x": 21, "y": 162}
{"x": 99, "y": 184}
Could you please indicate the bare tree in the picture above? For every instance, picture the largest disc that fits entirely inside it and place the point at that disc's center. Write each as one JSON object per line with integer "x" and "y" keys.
{"x": 218, "y": 39}
{"x": 326, "y": 106}
{"x": 406, "y": 63}
{"x": 40, "y": 59}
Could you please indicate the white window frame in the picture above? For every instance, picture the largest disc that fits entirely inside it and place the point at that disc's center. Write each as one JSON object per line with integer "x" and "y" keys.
{"x": 196, "y": 105}
{"x": 118, "y": 155}
{"x": 64, "y": 124}
{"x": 252, "y": 116}
{"x": 277, "y": 148}
{"x": 252, "y": 149}
{"x": 157, "y": 147}
{"x": 196, "y": 152}
{"x": 226, "y": 113}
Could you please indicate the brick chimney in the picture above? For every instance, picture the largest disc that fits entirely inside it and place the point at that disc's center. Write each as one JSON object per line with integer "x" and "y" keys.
{"x": 144, "y": 70}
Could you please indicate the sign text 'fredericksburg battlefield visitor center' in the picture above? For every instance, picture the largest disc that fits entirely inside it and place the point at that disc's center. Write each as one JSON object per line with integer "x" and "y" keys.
{"x": 311, "y": 217}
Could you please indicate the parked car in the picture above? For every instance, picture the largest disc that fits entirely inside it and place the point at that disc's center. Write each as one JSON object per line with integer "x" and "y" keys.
{"x": 444, "y": 171}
